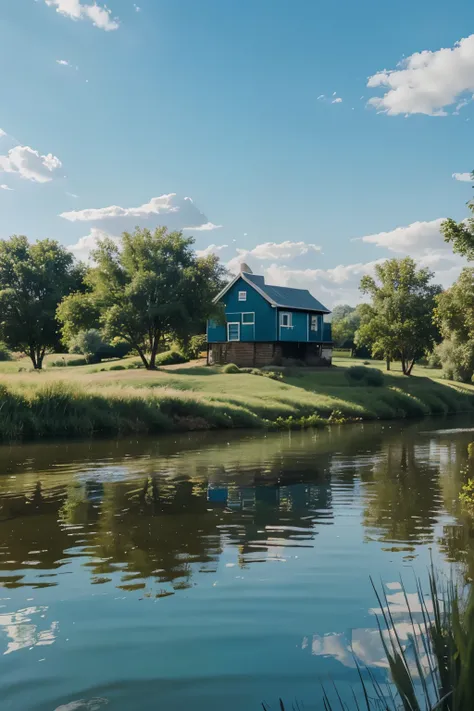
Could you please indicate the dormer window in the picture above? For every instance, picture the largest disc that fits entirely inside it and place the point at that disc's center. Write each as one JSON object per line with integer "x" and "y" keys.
{"x": 242, "y": 296}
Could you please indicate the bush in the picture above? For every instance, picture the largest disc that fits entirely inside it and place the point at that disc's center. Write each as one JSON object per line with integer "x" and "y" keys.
{"x": 231, "y": 368}
{"x": 197, "y": 344}
{"x": 170, "y": 358}
{"x": 62, "y": 362}
{"x": 365, "y": 376}
{"x": 4, "y": 352}
{"x": 118, "y": 349}
{"x": 433, "y": 360}
{"x": 87, "y": 343}
{"x": 457, "y": 359}
{"x": 117, "y": 367}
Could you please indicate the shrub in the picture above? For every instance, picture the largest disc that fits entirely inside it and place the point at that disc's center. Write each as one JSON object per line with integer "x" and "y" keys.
{"x": 117, "y": 367}
{"x": 4, "y": 352}
{"x": 87, "y": 343}
{"x": 197, "y": 344}
{"x": 170, "y": 358}
{"x": 62, "y": 362}
{"x": 457, "y": 359}
{"x": 231, "y": 368}
{"x": 365, "y": 376}
{"x": 117, "y": 349}
{"x": 433, "y": 360}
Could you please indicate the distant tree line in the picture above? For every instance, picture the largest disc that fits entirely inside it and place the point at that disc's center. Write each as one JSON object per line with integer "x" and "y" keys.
{"x": 132, "y": 297}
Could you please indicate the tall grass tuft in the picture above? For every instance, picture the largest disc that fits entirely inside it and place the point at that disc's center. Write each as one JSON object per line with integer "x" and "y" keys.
{"x": 434, "y": 672}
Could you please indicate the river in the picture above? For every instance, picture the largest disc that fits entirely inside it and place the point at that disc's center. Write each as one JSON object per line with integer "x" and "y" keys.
{"x": 216, "y": 570}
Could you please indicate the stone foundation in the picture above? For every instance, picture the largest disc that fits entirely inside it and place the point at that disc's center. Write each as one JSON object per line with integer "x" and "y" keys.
{"x": 257, "y": 355}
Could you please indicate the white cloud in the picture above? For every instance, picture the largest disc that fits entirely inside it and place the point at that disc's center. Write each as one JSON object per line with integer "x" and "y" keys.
{"x": 137, "y": 9}
{"x": 211, "y": 249}
{"x": 463, "y": 177}
{"x": 321, "y": 97}
{"x": 83, "y": 247}
{"x": 99, "y": 16}
{"x": 2, "y": 133}
{"x": 414, "y": 238}
{"x": 63, "y": 62}
{"x": 207, "y": 227}
{"x": 5, "y": 187}
{"x": 73, "y": 195}
{"x": 337, "y": 101}
{"x": 157, "y": 205}
{"x": 29, "y": 164}
{"x": 426, "y": 82}
{"x": 272, "y": 250}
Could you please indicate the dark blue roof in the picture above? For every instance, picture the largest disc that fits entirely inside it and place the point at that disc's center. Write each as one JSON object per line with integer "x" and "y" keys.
{"x": 286, "y": 297}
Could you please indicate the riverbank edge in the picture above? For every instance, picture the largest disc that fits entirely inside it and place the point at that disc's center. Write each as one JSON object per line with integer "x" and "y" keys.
{"x": 58, "y": 410}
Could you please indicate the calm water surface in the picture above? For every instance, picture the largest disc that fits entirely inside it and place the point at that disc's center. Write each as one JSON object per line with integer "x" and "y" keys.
{"x": 215, "y": 571}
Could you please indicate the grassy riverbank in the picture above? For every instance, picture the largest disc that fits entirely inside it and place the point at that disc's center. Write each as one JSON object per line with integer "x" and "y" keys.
{"x": 89, "y": 400}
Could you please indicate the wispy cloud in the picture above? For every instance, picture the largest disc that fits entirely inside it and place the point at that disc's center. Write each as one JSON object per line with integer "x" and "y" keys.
{"x": 463, "y": 177}
{"x": 207, "y": 227}
{"x": 5, "y": 187}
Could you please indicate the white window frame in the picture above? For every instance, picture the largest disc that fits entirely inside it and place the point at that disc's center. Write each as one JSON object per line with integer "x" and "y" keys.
{"x": 233, "y": 323}
{"x": 290, "y": 319}
{"x": 242, "y": 296}
{"x": 248, "y": 323}
{"x": 316, "y": 322}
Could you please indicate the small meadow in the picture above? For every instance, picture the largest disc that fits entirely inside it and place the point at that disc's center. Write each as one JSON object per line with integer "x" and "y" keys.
{"x": 119, "y": 397}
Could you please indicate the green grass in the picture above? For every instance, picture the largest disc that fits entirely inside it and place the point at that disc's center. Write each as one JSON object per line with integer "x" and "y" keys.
{"x": 89, "y": 400}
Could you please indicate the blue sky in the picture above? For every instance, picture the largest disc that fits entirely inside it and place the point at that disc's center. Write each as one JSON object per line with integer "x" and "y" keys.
{"x": 217, "y": 101}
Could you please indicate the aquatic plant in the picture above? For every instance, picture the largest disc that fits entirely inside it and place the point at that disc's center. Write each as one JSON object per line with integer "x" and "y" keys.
{"x": 434, "y": 672}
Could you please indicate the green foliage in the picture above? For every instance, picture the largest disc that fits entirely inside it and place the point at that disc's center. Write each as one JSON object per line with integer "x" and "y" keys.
{"x": 466, "y": 496}
{"x": 399, "y": 321}
{"x": 197, "y": 344}
{"x": 461, "y": 234}
{"x": 344, "y": 327}
{"x": 77, "y": 313}
{"x": 63, "y": 363}
{"x": 299, "y": 423}
{"x": 170, "y": 358}
{"x": 365, "y": 376}
{"x": 34, "y": 278}
{"x": 454, "y": 315}
{"x": 150, "y": 288}
{"x": 231, "y": 368}
{"x": 88, "y": 343}
{"x": 457, "y": 358}
{"x": 4, "y": 352}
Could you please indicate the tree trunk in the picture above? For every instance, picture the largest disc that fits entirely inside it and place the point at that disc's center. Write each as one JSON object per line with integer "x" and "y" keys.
{"x": 154, "y": 351}
{"x": 387, "y": 362}
{"x": 410, "y": 367}
{"x": 142, "y": 356}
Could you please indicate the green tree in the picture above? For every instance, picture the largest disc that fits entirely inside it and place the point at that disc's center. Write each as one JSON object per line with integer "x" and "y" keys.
{"x": 345, "y": 323}
{"x": 33, "y": 280}
{"x": 454, "y": 315}
{"x": 150, "y": 287}
{"x": 461, "y": 234}
{"x": 399, "y": 321}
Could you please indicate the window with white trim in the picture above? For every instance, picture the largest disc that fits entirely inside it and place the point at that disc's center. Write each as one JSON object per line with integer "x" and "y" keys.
{"x": 242, "y": 296}
{"x": 248, "y": 318}
{"x": 314, "y": 322}
{"x": 233, "y": 331}
{"x": 285, "y": 319}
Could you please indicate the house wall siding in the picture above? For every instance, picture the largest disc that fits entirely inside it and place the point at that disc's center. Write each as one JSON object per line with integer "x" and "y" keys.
{"x": 264, "y": 328}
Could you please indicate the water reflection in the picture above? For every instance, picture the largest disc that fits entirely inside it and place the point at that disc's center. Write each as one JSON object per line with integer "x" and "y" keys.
{"x": 196, "y": 561}
{"x": 161, "y": 518}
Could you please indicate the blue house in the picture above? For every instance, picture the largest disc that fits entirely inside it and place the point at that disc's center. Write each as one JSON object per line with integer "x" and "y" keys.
{"x": 265, "y": 325}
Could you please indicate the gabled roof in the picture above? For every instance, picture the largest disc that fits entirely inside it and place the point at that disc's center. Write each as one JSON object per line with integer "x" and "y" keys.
{"x": 280, "y": 296}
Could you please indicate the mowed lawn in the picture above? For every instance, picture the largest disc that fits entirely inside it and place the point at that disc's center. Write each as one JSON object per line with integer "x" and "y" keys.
{"x": 207, "y": 395}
